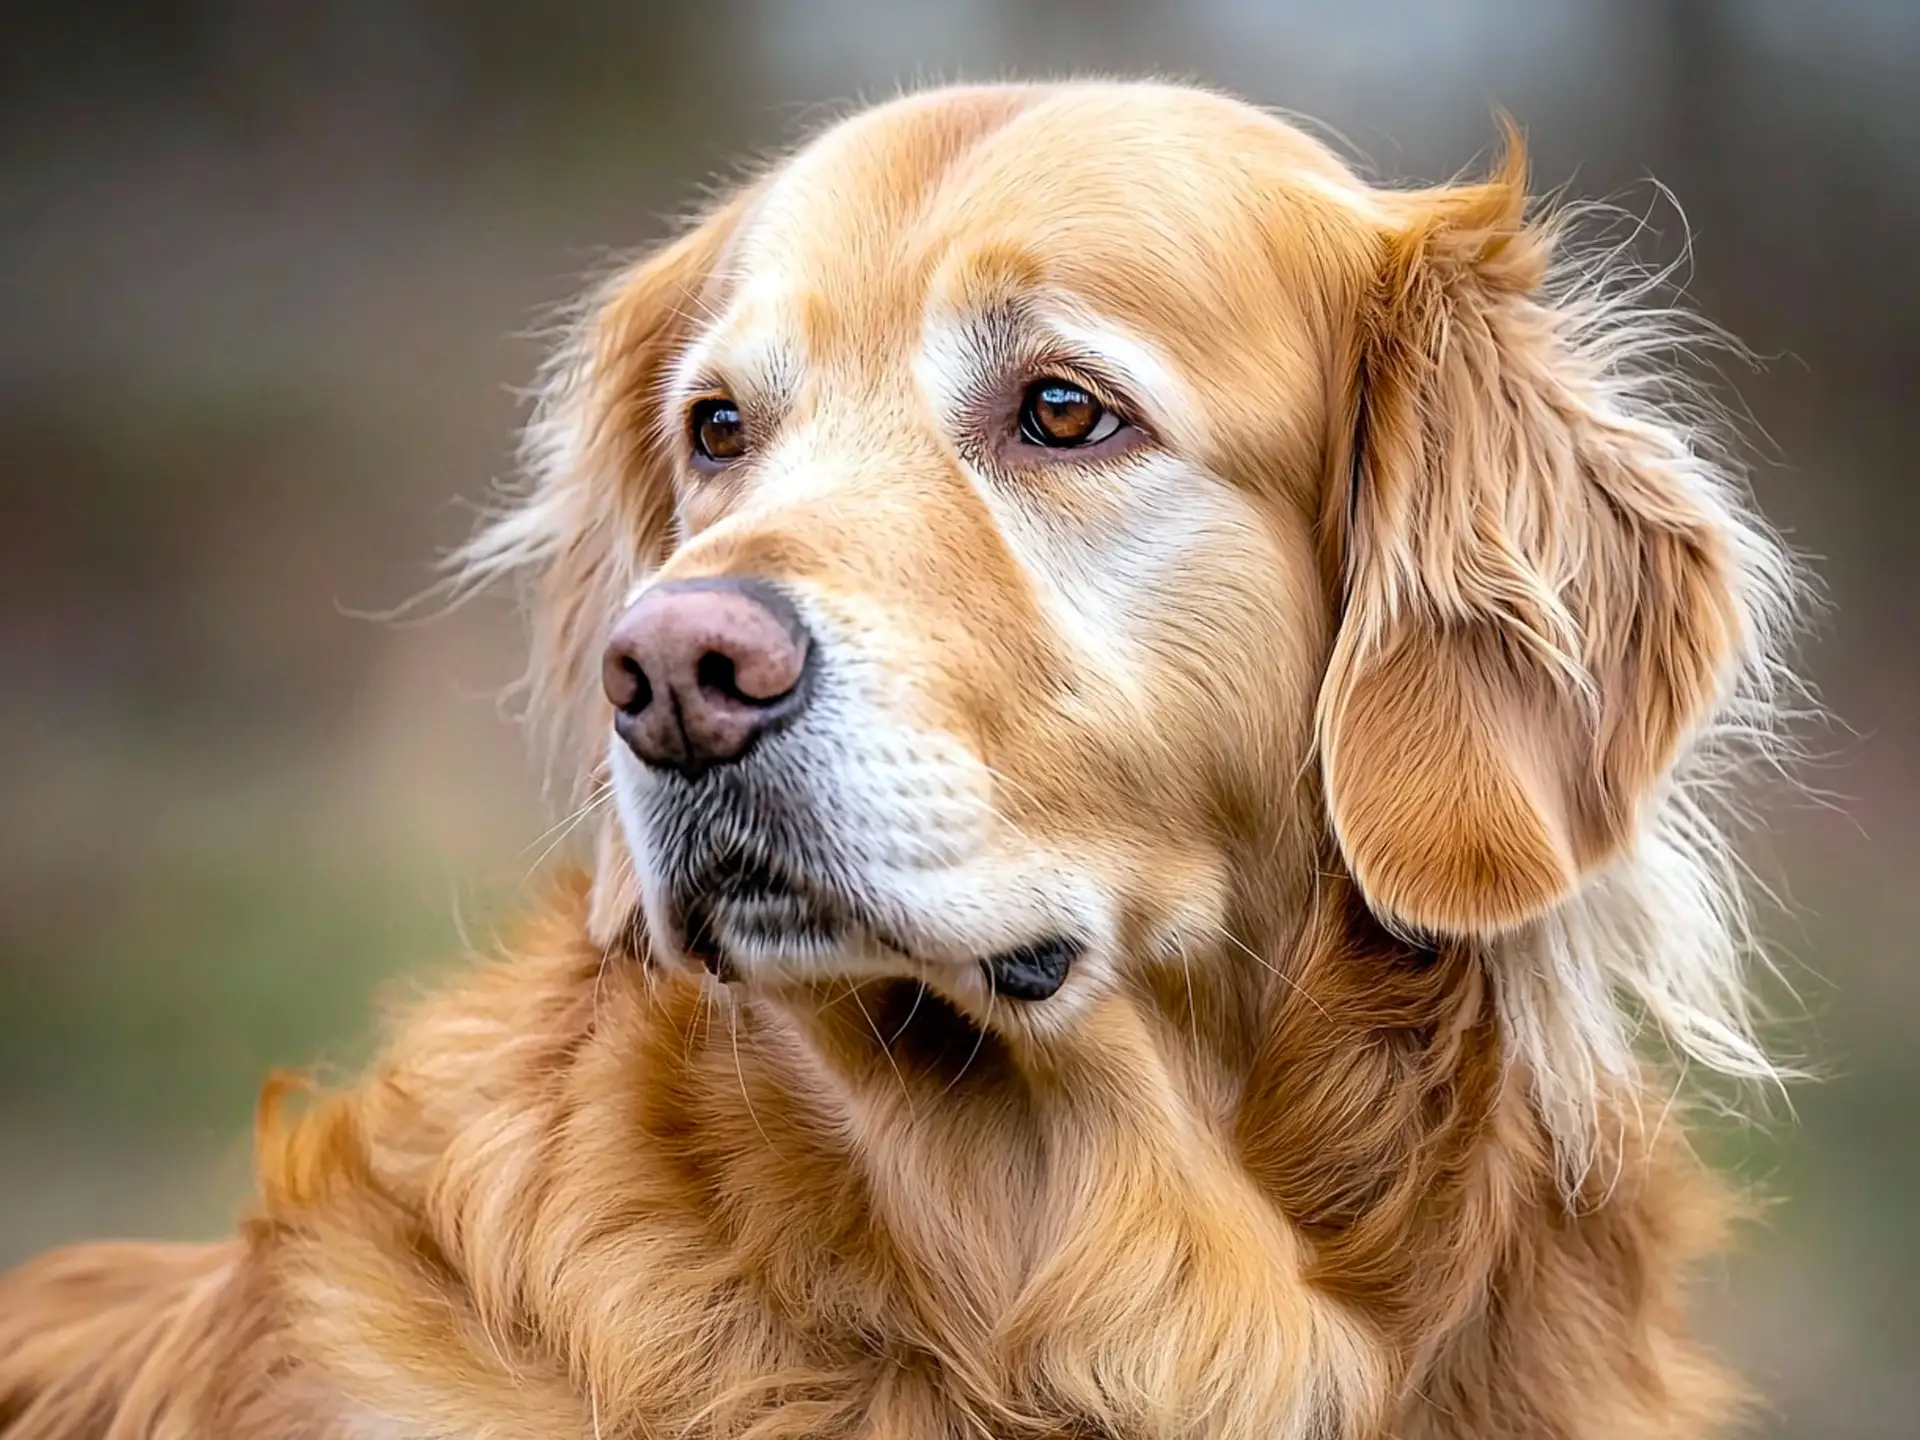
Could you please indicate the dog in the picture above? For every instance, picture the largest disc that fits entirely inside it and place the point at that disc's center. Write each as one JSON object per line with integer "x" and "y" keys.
{"x": 1151, "y": 707}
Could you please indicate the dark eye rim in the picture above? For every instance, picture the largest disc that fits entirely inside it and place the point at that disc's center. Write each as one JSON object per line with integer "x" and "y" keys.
{"x": 699, "y": 415}
{"x": 1035, "y": 436}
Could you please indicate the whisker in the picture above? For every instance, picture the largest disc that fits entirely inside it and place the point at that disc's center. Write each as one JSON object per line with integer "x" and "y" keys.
{"x": 694, "y": 1016}
{"x": 599, "y": 986}
{"x": 979, "y": 1039}
{"x": 1271, "y": 968}
{"x": 739, "y": 1070}
{"x": 599, "y": 792}
{"x": 1000, "y": 777}
{"x": 1193, "y": 1012}
{"x": 887, "y": 1050}
{"x": 572, "y": 823}
{"x": 852, "y": 984}
{"x": 919, "y": 994}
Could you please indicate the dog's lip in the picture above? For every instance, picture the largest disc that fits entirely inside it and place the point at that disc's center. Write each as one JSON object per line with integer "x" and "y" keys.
{"x": 1034, "y": 971}
{"x": 784, "y": 909}
{"x": 1029, "y": 973}
{"x": 751, "y": 892}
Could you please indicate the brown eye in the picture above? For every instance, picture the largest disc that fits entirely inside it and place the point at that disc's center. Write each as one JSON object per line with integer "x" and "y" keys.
{"x": 1061, "y": 416}
{"x": 718, "y": 434}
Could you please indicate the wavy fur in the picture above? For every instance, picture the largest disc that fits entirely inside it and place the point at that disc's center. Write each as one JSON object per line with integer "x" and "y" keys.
{"x": 1344, "y": 1131}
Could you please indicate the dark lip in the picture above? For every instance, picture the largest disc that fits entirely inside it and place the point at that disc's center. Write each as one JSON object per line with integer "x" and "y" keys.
{"x": 787, "y": 899}
{"x": 779, "y": 904}
{"x": 1030, "y": 972}
{"x": 1035, "y": 971}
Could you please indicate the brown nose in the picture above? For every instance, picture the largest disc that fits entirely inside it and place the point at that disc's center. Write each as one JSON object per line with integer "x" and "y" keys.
{"x": 697, "y": 670}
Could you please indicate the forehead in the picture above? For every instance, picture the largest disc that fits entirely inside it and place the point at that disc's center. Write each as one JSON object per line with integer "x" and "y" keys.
{"x": 1184, "y": 216}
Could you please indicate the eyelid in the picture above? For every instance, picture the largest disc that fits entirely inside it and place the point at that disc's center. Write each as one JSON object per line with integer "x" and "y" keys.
{"x": 701, "y": 393}
{"x": 1151, "y": 387}
{"x": 706, "y": 395}
{"x": 686, "y": 438}
{"x": 1085, "y": 371}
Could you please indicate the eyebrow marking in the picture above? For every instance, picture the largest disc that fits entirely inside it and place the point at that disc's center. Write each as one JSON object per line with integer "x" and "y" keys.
{"x": 749, "y": 353}
{"x": 1139, "y": 366}
{"x": 965, "y": 350}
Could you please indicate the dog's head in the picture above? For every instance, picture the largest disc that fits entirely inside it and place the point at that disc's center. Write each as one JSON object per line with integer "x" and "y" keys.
{"x": 1020, "y": 540}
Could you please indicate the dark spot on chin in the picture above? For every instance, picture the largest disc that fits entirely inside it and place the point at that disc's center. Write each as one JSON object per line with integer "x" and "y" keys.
{"x": 1032, "y": 972}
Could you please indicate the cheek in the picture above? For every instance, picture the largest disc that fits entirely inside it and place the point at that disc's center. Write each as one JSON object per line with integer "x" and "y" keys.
{"x": 1237, "y": 645}
{"x": 1195, "y": 628}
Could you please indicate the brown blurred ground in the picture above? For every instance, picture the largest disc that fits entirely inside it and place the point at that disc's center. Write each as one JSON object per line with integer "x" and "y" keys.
{"x": 262, "y": 267}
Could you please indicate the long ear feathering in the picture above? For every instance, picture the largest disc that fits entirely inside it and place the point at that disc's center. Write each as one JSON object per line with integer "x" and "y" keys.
{"x": 1584, "y": 543}
{"x": 535, "y": 517}
{"x": 592, "y": 510}
{"x": 1668, "y": 928}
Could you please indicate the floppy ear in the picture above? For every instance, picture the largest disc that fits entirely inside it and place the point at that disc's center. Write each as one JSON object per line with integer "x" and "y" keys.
{"x": 595, "y": 512}
{"x": 1540, "y": 589}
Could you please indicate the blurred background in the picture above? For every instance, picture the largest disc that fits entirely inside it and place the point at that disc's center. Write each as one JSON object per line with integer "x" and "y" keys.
{"x": 266, "y": 271}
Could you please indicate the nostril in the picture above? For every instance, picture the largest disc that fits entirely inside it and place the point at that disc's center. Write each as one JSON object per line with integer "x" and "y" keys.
{"x": 698, "y": 670}
{"x": 718, "y": 673}
{"x": 639, "y": 690}
{"x": 747, "y": 677}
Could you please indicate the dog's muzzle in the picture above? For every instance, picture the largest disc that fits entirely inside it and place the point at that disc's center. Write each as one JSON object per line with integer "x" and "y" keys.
{"x": 712, "y": 683}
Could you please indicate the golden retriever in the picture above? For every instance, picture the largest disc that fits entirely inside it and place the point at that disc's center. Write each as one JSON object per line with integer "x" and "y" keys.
{"x": 1160, "y": 695}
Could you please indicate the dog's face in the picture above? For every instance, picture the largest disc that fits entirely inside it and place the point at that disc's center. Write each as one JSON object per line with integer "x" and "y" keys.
{"x": 1021, "y": 528}
{"x": 1036, "y": 475}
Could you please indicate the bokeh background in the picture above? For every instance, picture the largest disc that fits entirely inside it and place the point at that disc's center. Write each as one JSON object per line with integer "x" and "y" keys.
{"x": 266, "y": 273}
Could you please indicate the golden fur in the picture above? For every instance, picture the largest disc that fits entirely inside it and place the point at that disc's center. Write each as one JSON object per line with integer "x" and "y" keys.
{"x": 1357, "y": 707}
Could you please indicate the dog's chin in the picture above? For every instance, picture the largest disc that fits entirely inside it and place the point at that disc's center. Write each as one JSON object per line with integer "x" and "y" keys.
{"x": 758, "y": 937}
{"x": 775, "y": 938}
{"x": 749, "y": 878}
